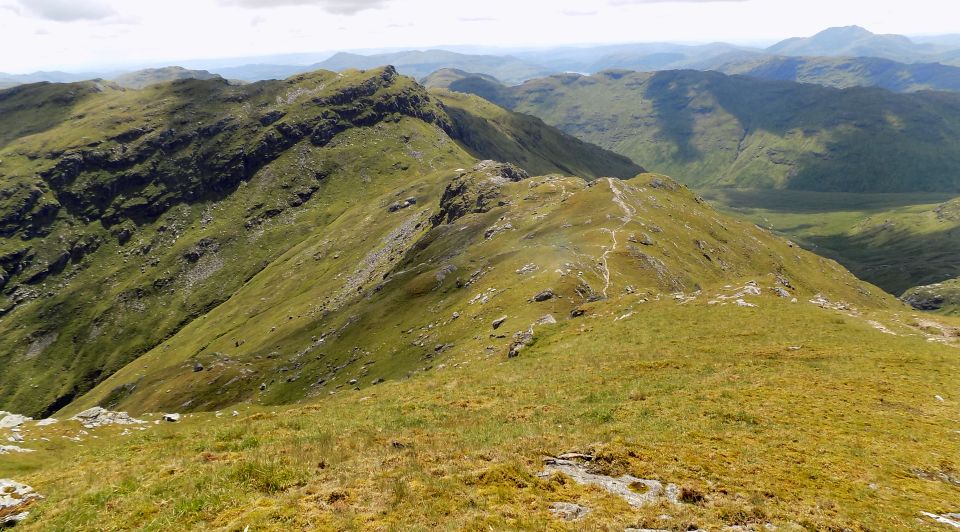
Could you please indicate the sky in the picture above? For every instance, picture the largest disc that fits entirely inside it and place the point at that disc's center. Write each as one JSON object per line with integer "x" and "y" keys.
{"x": 95, "y": 35}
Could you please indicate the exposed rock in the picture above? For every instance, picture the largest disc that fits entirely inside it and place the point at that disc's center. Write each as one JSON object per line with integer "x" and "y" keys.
{"x": 171, "y": 418}
{"x": 498, "y": 322}
{"x": 950, "y": 519}
{"x": 16, "y": 437}
{"x": 11, "y": 449}
{"x": 742, "y": 303}
{"x": 663, "y": 183}
{"x": 99, "y": 416}
{"x": 396, "y": 206}
{"x": 636, "y": 491}
{"x": 934, "y": 296}
{"x": 568, "y": 511}
{"x": 476, "y": 191}
{"x": 48, "y": 421}
{"x": 497, "y": 229}
{"x": 780, "y": 292}
{"x": 521, "y": 339}
{"x": 546, "y": 320}
{"x": 10, "y": 421}
{"x": 15, "y": 499}
{"x": 198, "y": 367}
{"x": 543, "y": 296}
{"x": 527, "y": 268}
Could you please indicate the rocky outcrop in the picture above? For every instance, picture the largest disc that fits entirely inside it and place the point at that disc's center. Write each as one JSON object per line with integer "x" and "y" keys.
{"x": 15, "y": 499}
{"x": 99, "y": 416}
{"x": 476, "y": 191}
{"x": 9, "y": 421}
{"x": 935, "y": 296}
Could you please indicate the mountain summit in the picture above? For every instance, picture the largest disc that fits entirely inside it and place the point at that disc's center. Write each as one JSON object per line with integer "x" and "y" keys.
{"x": 854, "y": 41}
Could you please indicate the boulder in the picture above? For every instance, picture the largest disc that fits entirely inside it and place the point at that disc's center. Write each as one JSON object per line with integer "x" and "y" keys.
{"x": 10, "y": 421}
{"x": 171, "y": 418}
{"x": 99, "y": 416}
{"x": 498, "y": 322}
{"x": 543, "y": 296}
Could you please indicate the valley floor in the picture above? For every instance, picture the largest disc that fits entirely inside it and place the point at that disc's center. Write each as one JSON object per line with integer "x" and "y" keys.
{"x": 786, "y": 414}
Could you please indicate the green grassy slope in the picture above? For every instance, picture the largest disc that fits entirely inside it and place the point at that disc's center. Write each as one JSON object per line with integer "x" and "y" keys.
{"x": 491, "y": 131}
{"x": 788, "y": 414}
{"x": 128, "y": 214}
{"x": 385, "y": 295}
{"x": 712, "y": 130}
{"x": 895, "y": 240}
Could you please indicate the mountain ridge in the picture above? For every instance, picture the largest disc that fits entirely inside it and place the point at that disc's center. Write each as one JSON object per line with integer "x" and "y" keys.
{"x": 93, "y": 203}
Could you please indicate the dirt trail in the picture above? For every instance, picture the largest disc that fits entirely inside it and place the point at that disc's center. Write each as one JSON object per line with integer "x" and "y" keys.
{"x": 628, "y": 212}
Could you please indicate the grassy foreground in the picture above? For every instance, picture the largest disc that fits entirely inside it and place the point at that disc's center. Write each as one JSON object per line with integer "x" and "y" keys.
{"x": 845, "y": 432}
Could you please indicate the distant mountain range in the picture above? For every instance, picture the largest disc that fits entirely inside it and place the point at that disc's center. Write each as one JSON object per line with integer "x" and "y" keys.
{"x": 839, "y": 72}
{"x": 132, "y": 80}
{"x": 836, "y": 57}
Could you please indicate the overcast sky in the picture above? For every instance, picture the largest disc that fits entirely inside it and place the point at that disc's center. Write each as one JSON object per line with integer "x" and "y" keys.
{"x": 98, "y": 34}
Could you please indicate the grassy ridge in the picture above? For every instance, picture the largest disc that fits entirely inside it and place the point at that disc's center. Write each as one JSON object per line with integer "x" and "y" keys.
{"x": 128, "y": 214}
{"x": 384, "y": 295}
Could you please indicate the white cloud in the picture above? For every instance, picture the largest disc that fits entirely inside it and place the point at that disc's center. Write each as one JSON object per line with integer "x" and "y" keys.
{"x": 339, "y": 7}
{"x": 68, "y": 10}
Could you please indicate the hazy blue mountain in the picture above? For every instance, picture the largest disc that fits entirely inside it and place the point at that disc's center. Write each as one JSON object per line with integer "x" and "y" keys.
{"x": 638, "y": 56}
{"x": 854, "y": 41}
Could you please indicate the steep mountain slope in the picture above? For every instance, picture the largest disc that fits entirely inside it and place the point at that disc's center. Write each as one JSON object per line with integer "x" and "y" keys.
{"x": 127, "y": 214}
{"x": 840, "y": 72}
{"x": 141, "y": 78}
{"x": 854, "y": 41}
{"x": 708, "y": 129}
{"x": 490, "y": 131}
